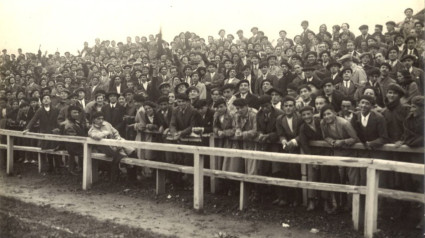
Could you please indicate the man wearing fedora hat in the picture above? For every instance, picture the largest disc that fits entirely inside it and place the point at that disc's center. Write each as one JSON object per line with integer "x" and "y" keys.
{"x": 114, "y": 113}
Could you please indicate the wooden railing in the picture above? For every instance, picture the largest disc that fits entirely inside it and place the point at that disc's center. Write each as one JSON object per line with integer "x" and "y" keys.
{"x": 371, "y": 190}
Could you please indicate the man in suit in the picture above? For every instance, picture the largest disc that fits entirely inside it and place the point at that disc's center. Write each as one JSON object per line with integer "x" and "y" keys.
{"x": 46, "y": 116}
{"x": 213, "y": 79}
{"x": 384, "y": 81}
{"x": 243, "y": 87}
{"x": 359, "y": 75}
{"x": 248, "y": 75}
{"x": 255, "y": 65}
{"x": 304, "y": 34}
{"x": 396, "y": 65}
{"x": 266, "y": 128}
{"x": 346, "y": 87}
{"x": 287, "y": 127}
{"x": 363, "y": 37}
{"x": 265, "y": 75}
{"x": 287, "y": 76}
{"x": 95, "y": 85}
{"x": 417, "y": 73}
{"x": 206, "y": 117}
{"x": 82, "y": 101}
{"x": 114, "y": 113}
{"x": 371, "y": 129}
{"x": 334, "y": 97}
{"x": 411, "y": 50}
{"x": 333, "y": 68}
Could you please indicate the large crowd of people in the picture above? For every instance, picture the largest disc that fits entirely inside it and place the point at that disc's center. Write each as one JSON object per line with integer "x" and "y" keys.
{"x": 341, "y": 86}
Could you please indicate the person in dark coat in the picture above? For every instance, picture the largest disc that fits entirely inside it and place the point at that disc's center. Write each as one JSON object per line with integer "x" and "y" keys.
{"x": 74, "y": 126}
{"x": 266, "y": 128}
{"x": 371, "y": 129}
{"x": 244, "y": 93}
{"x": 310, "y": 131}
{"x": 287, "y": 127}
{"x": 46, "y": 116}
{"x": 114, "y": 112}
{"x": 333, "y": 96}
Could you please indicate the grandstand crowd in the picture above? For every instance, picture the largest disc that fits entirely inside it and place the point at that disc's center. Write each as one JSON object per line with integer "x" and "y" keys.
{"x": 340, "y": 85}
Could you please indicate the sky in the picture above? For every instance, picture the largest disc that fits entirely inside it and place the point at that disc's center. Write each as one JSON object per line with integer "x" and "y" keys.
{"x": 65, "y": 25}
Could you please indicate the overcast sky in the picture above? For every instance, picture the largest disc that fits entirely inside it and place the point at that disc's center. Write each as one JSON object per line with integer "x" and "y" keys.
{"x": 65, "y": 25}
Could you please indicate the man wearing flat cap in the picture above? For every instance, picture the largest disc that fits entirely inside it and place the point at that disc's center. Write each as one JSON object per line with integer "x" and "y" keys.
{"x": 408, "y": 22}
{"x": 396, "y": 65}
{"x": 306, "y": 31}
{"x": 114, "y": 113}
{"x": 241, "y": 38}
{"x": 255, "y": 38}
{"x": 364, "y": 29}
{"x": 412, "y": 50}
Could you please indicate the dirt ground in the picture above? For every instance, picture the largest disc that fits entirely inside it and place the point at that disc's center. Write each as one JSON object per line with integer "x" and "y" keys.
{"x": 133, "y": 210}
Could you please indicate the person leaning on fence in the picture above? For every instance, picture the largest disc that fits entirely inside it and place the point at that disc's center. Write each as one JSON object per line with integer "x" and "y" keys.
{"x": 287, "y": 127}
{"x": 371, "y": 129}
{"x": 310, "y": 131}
{"x": 183, "y": 119}
{"x": 223, "y": 130}
{"x": 339, "y": 134}
{"x": 74, "y": 125}
{"x": 102, "y": 129}
{"x": 46, "y": 116}
{"x": 245, "y": 124}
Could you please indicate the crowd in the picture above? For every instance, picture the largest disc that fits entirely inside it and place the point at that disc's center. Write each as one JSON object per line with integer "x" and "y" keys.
{"x": 338, "y": 86}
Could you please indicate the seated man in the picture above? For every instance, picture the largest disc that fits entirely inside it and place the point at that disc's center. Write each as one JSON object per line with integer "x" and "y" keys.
{"x": 101, "y": 129}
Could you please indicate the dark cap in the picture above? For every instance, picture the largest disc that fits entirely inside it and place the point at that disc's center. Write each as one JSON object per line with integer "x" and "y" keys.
{"x": 396, "y": 88}
{"x": 306, "y": 108}
{"x": 240, "y": 102}
{"x": 182, "y": 96}
{"x": 368, "y": 98}
{"x": 264, "y": 99}
{"x": 363, "y": 27}
{"x": 162, "y": 99}
{"x": 418, "y": 100}
{"x": 200, "y": 103}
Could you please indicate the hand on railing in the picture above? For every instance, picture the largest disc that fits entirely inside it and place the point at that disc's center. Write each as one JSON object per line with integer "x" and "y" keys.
{"x": 25, "y": 131}
{"x": 397, "y": 144}
{"x": 338, "y": 143}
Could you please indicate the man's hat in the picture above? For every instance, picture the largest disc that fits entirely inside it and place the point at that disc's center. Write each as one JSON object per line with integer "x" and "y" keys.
{"x": 418, "y": 100}
{"x": 192, "y": 88}
{"x": 162, "y": 99}
{"x": 314, "y": 53}
{"x": 308, "y": 68}
{"x": 182, "y": 96}
{"x": 412, "y": 57}
{"x": 363, "y": 27}
{"x": 368, "y": 98}
{"x": 111, "y": 93}
{"x": 240, "y": 102}
{"x": 271, "y": 56}
{"x": 256, "y": 28}
{"x": 386, "y": 64}
{"x": 128, "y": 90}
{"x": 264, "y": 99}
{"x": 396, "y": 88}
{"x": 79, "y": 90}
{"x": 390, "y": 23}
{"x": 163, "y": 84}
{"x": 242, "y": 81}
{"x": 296, "y": 57}
{"x": 284, "y": 62}
{"x": 332, "y": 64}
{"x": 276, "y": 90}
{"x": 365, "y": 54}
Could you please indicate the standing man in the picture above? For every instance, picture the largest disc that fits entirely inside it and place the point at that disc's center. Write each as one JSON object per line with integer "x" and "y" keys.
{"x": 46, "y": 116}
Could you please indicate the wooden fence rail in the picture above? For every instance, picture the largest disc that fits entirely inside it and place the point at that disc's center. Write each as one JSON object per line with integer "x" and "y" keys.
{"x": 371, "y": 190}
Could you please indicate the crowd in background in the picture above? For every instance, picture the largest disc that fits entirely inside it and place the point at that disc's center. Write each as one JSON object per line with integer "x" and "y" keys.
{"x": 340, "y": 85}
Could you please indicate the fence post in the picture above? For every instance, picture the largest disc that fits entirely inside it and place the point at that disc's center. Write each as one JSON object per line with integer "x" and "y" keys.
{"x": 87, "y": 166}
{"x": 371, "y": 208}
{"x": 9, "y": 168}
{"x": 356, "y": 211}
{"x": 160, "y": 181}
{"x": 95, "y": 171}
{"x": 213, "y": 161}
{"x": 198, "y": 182}
{"x": 243, "y": 196}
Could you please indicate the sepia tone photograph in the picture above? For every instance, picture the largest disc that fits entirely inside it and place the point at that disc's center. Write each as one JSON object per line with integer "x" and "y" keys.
{"x": 215, "y": 119}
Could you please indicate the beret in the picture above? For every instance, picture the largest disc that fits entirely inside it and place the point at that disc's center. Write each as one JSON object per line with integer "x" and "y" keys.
{"x": 128, "y": 90}
{"x": 284, "y": 62}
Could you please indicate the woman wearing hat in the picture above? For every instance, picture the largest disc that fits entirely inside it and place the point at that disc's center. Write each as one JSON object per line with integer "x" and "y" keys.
{"x": 405, "y": 80}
